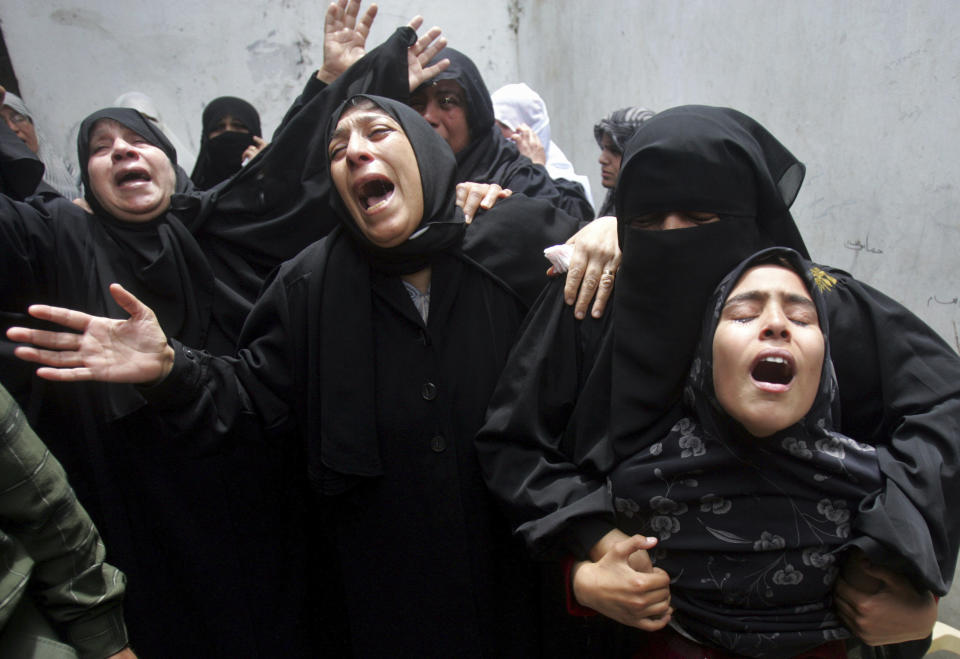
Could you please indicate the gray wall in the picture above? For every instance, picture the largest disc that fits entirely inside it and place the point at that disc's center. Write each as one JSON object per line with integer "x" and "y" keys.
{"x": 865, "y": 92}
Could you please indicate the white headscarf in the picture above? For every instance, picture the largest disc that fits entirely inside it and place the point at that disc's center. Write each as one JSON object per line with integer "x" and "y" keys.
{"x": 517, "y": 104}
{"x": 57, "y": 173}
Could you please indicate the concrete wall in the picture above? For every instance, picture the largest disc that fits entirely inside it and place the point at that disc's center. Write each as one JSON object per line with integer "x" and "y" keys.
{"x": 865, "y": 92}
{"x": 72, "y": 58}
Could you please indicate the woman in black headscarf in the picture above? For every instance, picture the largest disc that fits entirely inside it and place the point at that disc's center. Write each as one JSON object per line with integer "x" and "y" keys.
{"x": 752, "y": 491}
{"x": 231, "y": 126}
{"x": 572, "y": 406}
{"x": 199, "y": 536}
{"x": 464, "y": 114}
{"x": 376, "y": 350}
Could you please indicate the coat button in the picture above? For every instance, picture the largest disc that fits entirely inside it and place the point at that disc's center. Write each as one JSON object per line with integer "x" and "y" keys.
{"x": 438, "y": 444}
{"x": 428, "y": 391}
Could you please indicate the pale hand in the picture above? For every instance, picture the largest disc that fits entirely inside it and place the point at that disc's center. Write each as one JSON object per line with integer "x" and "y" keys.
{"x": 473, "y": 196}
{"x": 614, "y": 587}
{"x": 422, "y": 51}
{"x": 529, "y": 144}
{"x": 344, "y": 39}
{"x": 593, "y": 267}
{"x": 259, "y": 144}
{"x": 134, "y": 350}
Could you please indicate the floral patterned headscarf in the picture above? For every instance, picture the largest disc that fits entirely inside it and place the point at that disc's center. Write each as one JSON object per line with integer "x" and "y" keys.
{"x": 750, "y": 529}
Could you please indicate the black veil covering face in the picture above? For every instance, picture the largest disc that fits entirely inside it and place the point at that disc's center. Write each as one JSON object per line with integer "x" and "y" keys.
{"x": 595, "y": 400}
{"x": 697, "y": 159}
{"x": 220, "y": 156}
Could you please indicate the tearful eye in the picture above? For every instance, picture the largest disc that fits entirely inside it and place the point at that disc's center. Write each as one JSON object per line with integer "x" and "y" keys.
{"x": 773, "y": 369}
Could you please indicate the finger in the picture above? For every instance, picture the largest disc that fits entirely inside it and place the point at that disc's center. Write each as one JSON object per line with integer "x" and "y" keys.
{"x": 490, "y": 198}
{"x": 333, "y": 18}
{"x": 259, "y": 141}
{"x": 367, "y": 21}
{"x": 604, "y": 290}
{"x": 65, "y": 374}
{"x": 56, "y": 358}
{"x": 76, "y": 320}
{"x": 572, "y": 284}
{"x": 129, "y": 302}
{"x": 430, "y": 50}
{"x": 350, "y": 16}
{"x": 461, "y": 194}
{"x": 472, "y": 203}
{"x": 44, "y": 338}
{"x": 421, "y": 44}
{"x": 655, "y": 623}
{"x": 438, "y": 68}
{"x": 415, "y": 22}
{"x": 588, "y": 287}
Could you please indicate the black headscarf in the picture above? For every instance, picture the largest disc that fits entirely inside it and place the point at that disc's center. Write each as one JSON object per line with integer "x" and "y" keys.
{"x": 690, "y": 158}
{"x": 348, "y": 444}
{"x": 159, "y": 261}
{"x": 773, "y": 511}
{"x": 220, "y": 156}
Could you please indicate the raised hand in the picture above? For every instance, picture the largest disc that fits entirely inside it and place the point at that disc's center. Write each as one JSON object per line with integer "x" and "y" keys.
{"x": 344, "y": 39}
{"x": 424, "y": 50}
{"x": 132, "y": 350}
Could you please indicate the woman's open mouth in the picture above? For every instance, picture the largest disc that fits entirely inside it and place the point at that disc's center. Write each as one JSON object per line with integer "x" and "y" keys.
{"x": 773, "y": 371}
{"x": 374, "y": 193}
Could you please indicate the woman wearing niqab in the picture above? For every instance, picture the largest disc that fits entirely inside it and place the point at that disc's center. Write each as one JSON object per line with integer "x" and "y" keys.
{"x": 221, "y": 156}
{"x": 597, "y": 392}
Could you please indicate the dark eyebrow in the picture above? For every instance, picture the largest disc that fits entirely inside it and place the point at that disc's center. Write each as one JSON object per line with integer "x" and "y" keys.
{"x": 760, "y": 296}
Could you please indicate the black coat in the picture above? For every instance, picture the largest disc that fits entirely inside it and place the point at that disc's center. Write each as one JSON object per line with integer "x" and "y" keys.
{"x": 427, "y": 562}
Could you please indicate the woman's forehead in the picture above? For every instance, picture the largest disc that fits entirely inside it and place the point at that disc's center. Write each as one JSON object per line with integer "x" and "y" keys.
{"x": 107, "y": 126}
{"x": 361, "y": 116}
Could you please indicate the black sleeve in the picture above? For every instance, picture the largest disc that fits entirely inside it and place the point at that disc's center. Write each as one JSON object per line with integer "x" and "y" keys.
{"x": 533, "y": 181}
{"x": 509, "y": 239}
{"x": 550, "y": 481}
{"x": 900, "y": 391}
{"x": 208, "y": 398}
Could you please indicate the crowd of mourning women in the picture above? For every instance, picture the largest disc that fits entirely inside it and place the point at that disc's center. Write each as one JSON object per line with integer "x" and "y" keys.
{"x": 325, "y": 397}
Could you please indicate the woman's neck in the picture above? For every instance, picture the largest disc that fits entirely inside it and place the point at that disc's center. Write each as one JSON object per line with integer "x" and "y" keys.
{"x": 420, "y": 279}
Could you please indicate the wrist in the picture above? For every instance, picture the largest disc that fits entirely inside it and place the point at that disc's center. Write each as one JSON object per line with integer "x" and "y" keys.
{"x": 327, "y": 76}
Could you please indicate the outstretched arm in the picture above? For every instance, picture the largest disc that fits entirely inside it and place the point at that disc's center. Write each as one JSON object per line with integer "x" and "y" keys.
{"x": 134, "y": 350}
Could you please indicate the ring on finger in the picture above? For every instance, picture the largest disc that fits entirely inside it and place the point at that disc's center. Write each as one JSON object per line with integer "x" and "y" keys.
{"x": 610, "y": 272}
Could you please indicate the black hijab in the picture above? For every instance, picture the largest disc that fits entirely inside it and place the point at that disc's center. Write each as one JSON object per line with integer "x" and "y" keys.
{"x": 159, "y": 261}
{"x": 488, "y": 156}
{"x": 220, "y": 156}
{"x": 348, "y": 444}
{"x": 690, "y": 158}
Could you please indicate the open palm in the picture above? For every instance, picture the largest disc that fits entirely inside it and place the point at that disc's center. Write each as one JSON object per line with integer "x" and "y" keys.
{"x": 106, "y": 349}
